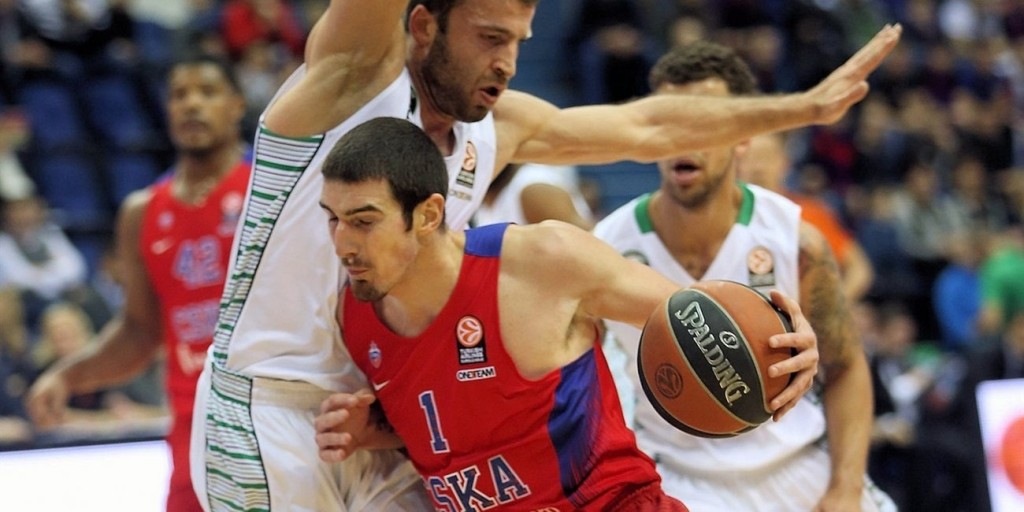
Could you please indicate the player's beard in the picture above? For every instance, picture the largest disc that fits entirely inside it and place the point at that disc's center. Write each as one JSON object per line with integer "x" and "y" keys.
{"x": 443, "y": 81}
{"x": 365, "y": 292}
{"x": 702, "y": 194}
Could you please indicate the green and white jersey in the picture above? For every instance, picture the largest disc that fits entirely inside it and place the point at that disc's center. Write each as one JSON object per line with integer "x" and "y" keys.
{"x": 760, "y": 250}
{"x": 277, "y": 315}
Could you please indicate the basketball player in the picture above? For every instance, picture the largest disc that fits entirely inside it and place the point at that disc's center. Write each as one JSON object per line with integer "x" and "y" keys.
{"x": 445, "y": 73}
{"x": 447, "y": 324}
{"x": 766, "y": 165}
{"x": 173, "y": 241}
{"x": 703, "y": 224}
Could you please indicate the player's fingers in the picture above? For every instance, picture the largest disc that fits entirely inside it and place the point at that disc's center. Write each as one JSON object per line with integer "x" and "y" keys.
{"x": 333, "y": 455}
{"x": 791, "y": 394}
{"x": 45, "y": 410}
{"x": 365, "y": 397}
{"x": 871, "y": 54}
{"x": 337, "y": 401}
{"x": 331, "y": 420}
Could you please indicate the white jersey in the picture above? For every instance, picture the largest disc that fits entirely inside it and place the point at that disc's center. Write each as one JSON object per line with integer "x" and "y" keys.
{"x": 508, "y": 206}
{"x": 760, "y": 250}
{"x": 277, "y": 316}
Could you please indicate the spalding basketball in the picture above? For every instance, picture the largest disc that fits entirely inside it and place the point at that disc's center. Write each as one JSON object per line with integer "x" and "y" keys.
{"x": 704, "y": 358}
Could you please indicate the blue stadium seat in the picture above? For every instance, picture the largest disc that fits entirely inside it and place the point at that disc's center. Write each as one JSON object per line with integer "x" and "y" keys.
{"x": 116, "y": 111}
{"x": 54, "y": 115}
{"x": 68, "y": 181}
{"x": 129, "y": 171}
{"x": 620, "y": 182}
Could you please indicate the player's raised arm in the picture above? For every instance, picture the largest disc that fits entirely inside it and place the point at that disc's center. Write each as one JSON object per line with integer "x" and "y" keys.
{"x": 663, "y": 126}
{"x": 355, "y": 49}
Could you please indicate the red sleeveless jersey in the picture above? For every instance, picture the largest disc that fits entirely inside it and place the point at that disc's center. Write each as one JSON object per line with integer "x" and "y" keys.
{"x": 479, "y": 433}
{"x": 186, "y": 249}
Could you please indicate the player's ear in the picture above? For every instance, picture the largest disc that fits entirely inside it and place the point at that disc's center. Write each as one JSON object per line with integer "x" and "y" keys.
{"x": 422, "y": 26}
{"x": 429, "y": 215}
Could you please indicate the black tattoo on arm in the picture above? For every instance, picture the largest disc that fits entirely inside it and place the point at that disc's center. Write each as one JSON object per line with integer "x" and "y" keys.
{"x": 824, "y": 303}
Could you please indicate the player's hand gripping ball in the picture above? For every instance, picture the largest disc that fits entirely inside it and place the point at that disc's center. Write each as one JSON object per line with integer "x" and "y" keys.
{"x": 704, "y": 358}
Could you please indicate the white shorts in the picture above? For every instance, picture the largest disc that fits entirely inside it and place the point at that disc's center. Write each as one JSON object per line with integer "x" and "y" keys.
{"x": 793, "y": 485}
{"x": 254, "y": 447}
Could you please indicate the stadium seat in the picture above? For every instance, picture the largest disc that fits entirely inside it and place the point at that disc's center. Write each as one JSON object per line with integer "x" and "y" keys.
{"x": 68, "y": 181}
{"x": 54, "y": 115}
{"x": 129, "y": 171}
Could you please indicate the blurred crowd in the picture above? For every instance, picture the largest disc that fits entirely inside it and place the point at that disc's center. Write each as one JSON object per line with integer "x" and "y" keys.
{"x": 927, "y": 173}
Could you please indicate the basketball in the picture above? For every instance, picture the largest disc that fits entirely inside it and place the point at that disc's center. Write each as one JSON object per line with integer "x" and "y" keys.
{"x": 704, "y": 358}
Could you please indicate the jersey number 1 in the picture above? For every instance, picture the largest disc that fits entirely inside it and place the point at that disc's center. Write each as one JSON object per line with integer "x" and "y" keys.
{"x": 437, "y": 441}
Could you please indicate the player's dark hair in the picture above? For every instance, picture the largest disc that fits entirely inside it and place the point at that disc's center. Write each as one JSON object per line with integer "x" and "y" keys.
{"x": 395, "y": 151}
{"x": 200, "y": 58}
{"x": 441, "y": 8}
{"x": 702, "y": 60}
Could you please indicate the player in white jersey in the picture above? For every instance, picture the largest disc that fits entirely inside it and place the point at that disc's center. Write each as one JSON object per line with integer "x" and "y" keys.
{"x": 445, "y": 65}
{"x": 530, "y": 193}
{"x": 703, "y": 224}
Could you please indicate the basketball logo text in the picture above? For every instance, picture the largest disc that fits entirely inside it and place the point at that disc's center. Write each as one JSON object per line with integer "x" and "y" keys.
{"x": 692, "y": 317}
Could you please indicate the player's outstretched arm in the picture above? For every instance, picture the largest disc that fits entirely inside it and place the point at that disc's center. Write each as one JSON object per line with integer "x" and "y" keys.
{"x": 350, "y": 422}
{"x": 665, "y": 125}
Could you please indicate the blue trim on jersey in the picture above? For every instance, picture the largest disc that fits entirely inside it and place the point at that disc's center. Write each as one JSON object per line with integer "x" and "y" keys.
{"x": 574, "y": 420}
{"x": 485, "y": 241}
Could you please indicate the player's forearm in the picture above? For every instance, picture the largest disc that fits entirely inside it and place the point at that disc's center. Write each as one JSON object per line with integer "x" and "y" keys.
{"x": 682, "y": 123}
{"x": 849, "y": 413}
{"x": 857, "y": 274}
{"x": 114, "y": 358}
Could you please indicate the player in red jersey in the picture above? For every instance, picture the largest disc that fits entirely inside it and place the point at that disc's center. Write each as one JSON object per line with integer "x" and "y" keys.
{"x": 174, "y": 241}
{"x": 483, "y": 346}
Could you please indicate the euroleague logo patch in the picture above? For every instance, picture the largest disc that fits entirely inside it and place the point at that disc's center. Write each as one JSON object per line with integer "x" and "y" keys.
{"x": 469, "y": 336}
{"x": 668, "y": 381}
{"x": 761, "y": 267}
{"x": 467, "y": 175}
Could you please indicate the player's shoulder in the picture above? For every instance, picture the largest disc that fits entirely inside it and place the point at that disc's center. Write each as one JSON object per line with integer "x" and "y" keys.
{"x": 544, "y": 243}
{"x": 136, "y": 203}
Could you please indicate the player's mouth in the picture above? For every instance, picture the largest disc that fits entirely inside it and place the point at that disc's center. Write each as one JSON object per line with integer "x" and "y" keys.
{"x": 685, "y": 171}
{"x": 491, "y": 94}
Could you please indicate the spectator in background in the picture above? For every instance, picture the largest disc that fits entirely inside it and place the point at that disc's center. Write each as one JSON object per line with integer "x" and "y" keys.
{"x": 972, "y": 195}
{"x": 1002, "y": 281}
{"x": 767, "y": 164}
{"x": 246, "y": 22}
{"x": 14, "y": 132}
{"x": 39, "y": 261}
{"x": 889, "y": 333}
{"x": 612, "y": 53}
{"x": 925, "y": 218}
{"x": 956, "y": 293}
{"x": 16, "y": 369}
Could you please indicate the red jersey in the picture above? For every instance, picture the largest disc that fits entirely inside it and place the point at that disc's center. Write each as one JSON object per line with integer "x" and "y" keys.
{"x": 186, "y": 249}
{"x": 479, "y": 433}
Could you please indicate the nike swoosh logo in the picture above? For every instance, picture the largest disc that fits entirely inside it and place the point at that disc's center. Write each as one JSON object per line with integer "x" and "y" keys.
{"x": 161, "y": 246}
{"x": 378, "y": 387}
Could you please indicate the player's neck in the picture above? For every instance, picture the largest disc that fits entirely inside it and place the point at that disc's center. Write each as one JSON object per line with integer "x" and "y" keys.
{"x": 197, "y": 174}
{"x": 715, "y": 217}
{"x": 435, "y": 123}
{"x": 694, "y": 235}
{"x": 412, "y": 305}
